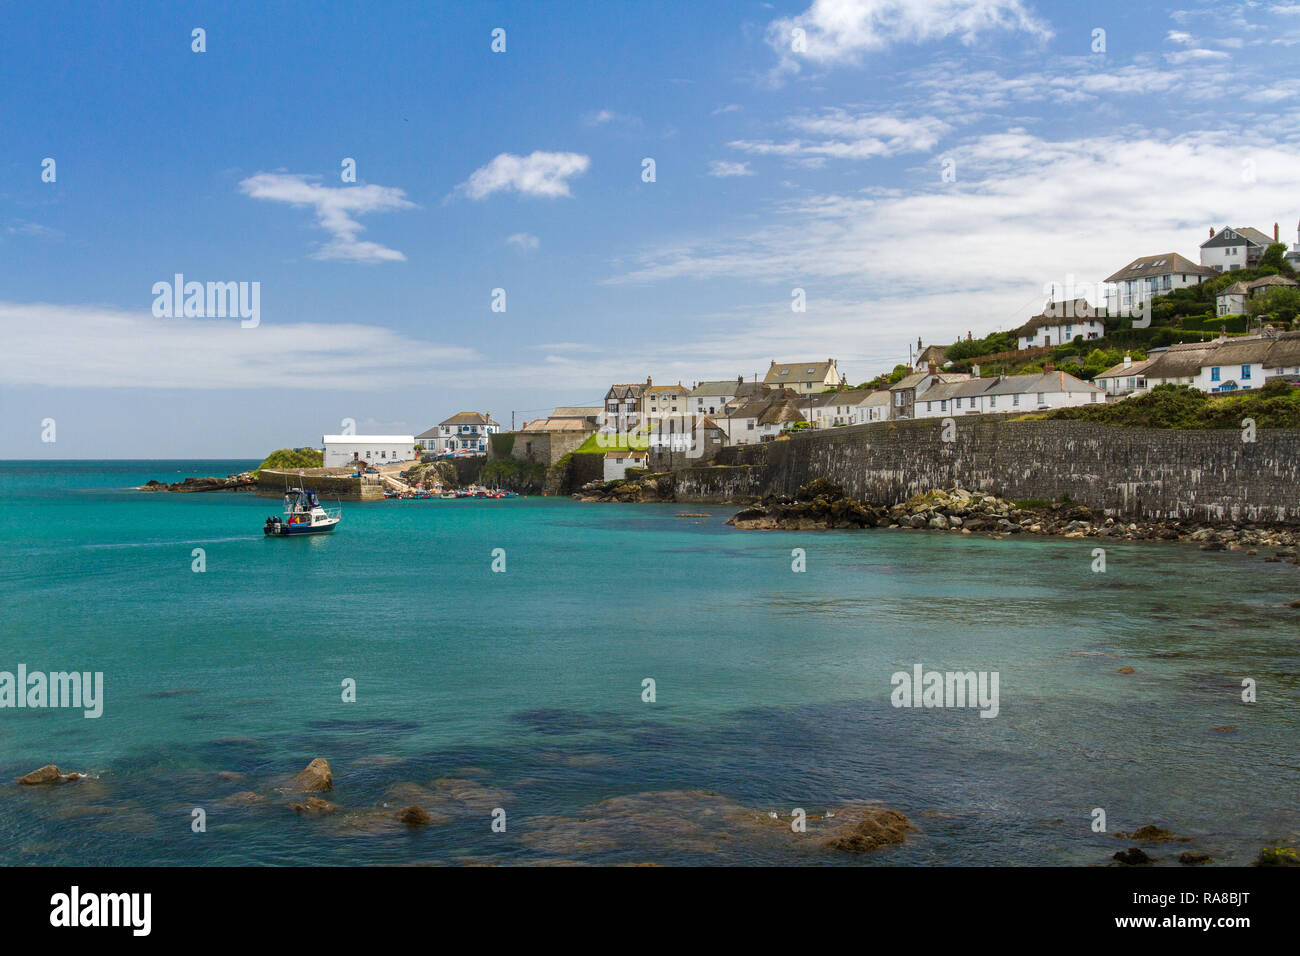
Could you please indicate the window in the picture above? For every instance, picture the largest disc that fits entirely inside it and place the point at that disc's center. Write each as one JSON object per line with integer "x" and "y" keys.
{"x": 1245, "y": 371}
{"x": 1015, "y": 399}
{"x": 929, "y": 405}
{"x": 1214, "y": 374}
{"x": 898, "y": 399}
{"x": 993, "y": 401}
{"x": 943, "y": 405}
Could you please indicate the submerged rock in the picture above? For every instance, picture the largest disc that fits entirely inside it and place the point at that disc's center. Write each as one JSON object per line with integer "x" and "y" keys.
{"x": 313, "y": 807}
{"x": 875, "y": 827}
{"x": 414, "y": 816}
{"x": 1192, "y": 858}
{"x": 1147, "y": 834}
{"x": 1277, "y": 856}
{"x": 1131, "y": 857}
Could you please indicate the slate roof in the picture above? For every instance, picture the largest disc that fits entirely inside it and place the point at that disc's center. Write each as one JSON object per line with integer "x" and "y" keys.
{"x": 1166, "y": 263}
{"x": 469, "y": 418}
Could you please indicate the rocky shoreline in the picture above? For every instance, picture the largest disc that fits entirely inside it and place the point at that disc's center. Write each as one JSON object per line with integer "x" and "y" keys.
{"x": 239, "y": 482}
{"x": 821, "y": 505}
{"x": 672, "y": 821}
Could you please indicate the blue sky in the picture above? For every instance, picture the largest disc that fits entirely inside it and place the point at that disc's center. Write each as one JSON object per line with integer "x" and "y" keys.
{"x": 775, "y": 168}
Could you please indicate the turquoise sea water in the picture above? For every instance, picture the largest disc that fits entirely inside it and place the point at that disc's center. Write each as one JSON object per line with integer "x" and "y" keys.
{"x": 523, "y": 689}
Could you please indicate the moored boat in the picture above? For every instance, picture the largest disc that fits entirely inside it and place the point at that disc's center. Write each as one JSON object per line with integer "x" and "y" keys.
{"x": 302, "y": 515}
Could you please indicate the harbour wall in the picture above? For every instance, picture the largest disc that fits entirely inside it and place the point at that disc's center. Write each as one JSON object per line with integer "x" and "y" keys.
{"x": 1132, "y": 472}
{"x": 272, "y": 484}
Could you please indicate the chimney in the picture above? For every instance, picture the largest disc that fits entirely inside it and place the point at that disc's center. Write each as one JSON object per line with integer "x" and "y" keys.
{"x": 918, "y": 343}
{"x": 933, "y": 370}
{"x": 1128, "y": 360}
{"x": 740, "y": 380}
{"x": 1275, "y": 232}
{"x": 975, "y": 371}
{"x": 773, "y": 363}
{"x": 1211, "y": 232}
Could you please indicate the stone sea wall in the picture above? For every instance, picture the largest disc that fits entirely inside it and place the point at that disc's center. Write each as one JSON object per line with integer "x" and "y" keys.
{"x": 1141, "y": 473}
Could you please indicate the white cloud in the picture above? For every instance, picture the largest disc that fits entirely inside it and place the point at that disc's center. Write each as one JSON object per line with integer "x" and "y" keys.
{"x": 945, "y": 259}
{"x": 839, "y": 32}
{"x": 335, "y": 208}
{"x": 605, "y": 117}
{"x": 722, "y": 169}
{"x": 524, "y": 240}
{"x": 537, "y": 174}
{"x": 843, "y": 135}
{"x": 92, "y": 347}
{"x": 729, "y": 108}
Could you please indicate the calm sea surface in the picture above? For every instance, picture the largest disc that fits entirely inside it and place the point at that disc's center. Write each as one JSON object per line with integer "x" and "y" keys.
{"x": 523, "y": 690}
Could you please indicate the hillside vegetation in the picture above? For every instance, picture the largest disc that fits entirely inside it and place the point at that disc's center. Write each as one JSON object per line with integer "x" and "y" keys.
{"x": 293, "y": 458}
{"x": 1276, "y": 405}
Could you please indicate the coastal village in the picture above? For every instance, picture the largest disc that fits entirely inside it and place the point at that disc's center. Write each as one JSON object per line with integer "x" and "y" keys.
{"x": 1224, "y": 324}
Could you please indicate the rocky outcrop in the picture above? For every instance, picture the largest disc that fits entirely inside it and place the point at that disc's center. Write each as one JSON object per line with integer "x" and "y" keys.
{"x": 433, "y": 473}
{"x": 316, "y": 777}
{"x": 822, "y": 505}
{"x": 46, "y": 775}
{"x": 244, "y": 480}
{"x": 1278, "y": 856}
{"x": 873, "y": 828}
{"x": 661, "y": 487}
{"x": 816, "y": 506}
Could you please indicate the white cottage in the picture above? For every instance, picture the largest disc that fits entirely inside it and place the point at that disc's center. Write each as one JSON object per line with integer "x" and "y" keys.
{"x": 342, "y": 450}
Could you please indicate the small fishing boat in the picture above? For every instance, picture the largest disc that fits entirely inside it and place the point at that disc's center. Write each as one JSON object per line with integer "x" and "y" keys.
{"x": 302, "y": 515}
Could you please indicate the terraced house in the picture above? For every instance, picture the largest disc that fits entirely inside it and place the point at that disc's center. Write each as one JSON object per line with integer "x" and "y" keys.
{"x": 713, "y": 398}
{"x": 1008, "y": 393}
{"x": 624, "y": 406}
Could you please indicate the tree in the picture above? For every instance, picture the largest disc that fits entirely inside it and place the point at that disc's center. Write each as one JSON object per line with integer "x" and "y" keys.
{"x": 1273, "y": 257}
{"x": 1280, "y": 303}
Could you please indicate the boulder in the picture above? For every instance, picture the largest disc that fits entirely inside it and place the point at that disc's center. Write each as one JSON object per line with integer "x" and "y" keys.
{"x": 317, "y": 776}
{"x": 47, "y": 774}
{"x": 1191, "y": 858}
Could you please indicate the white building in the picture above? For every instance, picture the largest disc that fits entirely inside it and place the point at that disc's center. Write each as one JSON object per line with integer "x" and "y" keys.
{"x": 463, "y": 433}
{"x": 619, "y": 461}
{"x": 1232, "y": 300}
{"x": 1150, "y": 276}
{"x": 1059, "y": 323}
{"x": 343, "y": 450}
{"x": 850, "y": 407}
{"x": 1126, "y": 377}
{"x": 1008, "y": 393}
{"x": 1230, "y": 249}
{"x": 713, "y": 398}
